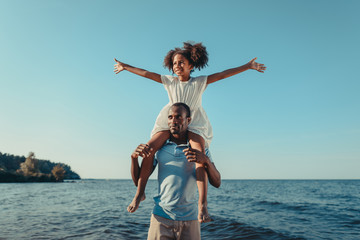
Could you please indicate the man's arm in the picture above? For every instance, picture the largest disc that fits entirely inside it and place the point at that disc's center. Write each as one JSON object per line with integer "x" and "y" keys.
{"x": 193, "y": 155}
{"x": 213, "y": 173}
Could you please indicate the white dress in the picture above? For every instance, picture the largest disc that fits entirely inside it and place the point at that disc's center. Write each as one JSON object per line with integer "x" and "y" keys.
{"x": 189, "y": 92}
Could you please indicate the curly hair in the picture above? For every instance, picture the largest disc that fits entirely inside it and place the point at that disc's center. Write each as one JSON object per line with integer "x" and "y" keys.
{"x": 196, "y": 54}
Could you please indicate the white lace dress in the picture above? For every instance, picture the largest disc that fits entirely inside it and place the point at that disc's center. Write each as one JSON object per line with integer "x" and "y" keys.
{"x": 189, "y": 92}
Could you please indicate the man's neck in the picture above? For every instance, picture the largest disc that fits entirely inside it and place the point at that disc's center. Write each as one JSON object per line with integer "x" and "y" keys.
{"x": 179, "y": 138}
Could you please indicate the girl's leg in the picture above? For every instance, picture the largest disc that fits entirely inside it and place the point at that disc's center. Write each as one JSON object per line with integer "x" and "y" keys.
{"x": 135, "y": 170}
{"x": 146, "y": 168}
{"x": 198, "y": 143}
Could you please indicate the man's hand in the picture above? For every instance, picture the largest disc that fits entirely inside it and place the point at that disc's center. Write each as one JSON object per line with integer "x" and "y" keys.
{"x": 143, "y": 150}
{"x": 194, "y": 155}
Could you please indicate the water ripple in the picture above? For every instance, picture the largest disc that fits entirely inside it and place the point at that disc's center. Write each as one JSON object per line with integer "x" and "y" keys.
{"x": 96, "y": 209}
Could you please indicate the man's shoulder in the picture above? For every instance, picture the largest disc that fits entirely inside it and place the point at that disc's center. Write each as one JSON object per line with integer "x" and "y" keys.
{"x": 172, "y": 148}
{"x": 208, "y": 154}
{"x": 168, "y": 147}
{"x": 171, "y": 143}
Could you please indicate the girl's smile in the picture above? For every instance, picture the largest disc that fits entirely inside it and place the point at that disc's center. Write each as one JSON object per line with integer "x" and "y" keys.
{"x": 182, "y": 67}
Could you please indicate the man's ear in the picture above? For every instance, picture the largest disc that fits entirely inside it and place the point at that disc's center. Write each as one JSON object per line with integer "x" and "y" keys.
{"x": 189, "y": 119}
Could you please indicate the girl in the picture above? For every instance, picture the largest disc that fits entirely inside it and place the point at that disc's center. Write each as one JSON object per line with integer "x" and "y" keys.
{"x": 182, "y": 88}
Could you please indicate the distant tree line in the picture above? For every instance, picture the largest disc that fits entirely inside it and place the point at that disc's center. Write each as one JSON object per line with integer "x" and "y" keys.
{"x": 20, "y": 169}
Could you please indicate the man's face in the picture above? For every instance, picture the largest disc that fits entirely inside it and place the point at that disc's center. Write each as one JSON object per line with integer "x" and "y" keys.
{"x": 177, "y": 120}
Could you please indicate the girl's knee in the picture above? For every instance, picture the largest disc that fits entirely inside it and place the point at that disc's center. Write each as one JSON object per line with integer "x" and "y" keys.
{"x": 158, "y": 139}
{"x": 196, "y": 141}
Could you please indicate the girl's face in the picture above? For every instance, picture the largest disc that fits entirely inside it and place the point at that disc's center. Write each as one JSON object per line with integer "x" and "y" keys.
{"x": 181, "y": 66}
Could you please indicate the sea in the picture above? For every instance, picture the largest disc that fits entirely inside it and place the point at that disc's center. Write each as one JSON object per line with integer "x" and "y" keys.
{"x": 241, "y": 209}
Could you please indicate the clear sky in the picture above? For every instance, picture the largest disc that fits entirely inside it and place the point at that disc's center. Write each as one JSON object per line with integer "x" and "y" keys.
{"x": 300, "y": 119}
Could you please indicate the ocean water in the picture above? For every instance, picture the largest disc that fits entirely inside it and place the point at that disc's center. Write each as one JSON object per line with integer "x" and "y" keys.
{"x": 241, "y": 209}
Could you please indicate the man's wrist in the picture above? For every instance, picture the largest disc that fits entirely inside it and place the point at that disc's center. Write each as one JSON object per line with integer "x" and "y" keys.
{"x": 207, "y": 162}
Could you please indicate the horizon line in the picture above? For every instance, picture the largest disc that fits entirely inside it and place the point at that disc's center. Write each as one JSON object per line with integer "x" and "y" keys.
{"x": 231, "y": 179}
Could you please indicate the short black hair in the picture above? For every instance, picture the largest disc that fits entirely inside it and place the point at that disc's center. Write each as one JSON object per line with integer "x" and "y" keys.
{"x": 186, "y": 107}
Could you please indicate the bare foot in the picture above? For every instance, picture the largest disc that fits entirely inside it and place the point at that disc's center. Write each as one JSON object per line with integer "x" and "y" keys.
{"x": 203, "y": 216}
{"x": 143, "y": 197}
{"x": 134, "y": 205}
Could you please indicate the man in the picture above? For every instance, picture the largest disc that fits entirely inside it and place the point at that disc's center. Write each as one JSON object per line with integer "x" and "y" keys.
{"x": 175, "y": 212}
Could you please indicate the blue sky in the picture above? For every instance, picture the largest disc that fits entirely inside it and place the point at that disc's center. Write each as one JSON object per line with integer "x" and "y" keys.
{"x": 300, "y": 119}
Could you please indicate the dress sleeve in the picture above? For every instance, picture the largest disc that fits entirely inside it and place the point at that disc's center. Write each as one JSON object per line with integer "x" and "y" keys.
{"x": 201, "y": 83}
{"x": 166, "y": 80}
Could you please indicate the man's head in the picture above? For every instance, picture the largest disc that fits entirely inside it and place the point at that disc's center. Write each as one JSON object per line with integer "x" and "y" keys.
{"x": 179, "y": 119}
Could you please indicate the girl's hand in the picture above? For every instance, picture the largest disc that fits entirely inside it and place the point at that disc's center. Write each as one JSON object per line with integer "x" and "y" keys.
{"x": 143, "y": 150}
{"x": 119, "y": 66}
{"x": 256, "y": 66}
{"x": 193, "y": 155}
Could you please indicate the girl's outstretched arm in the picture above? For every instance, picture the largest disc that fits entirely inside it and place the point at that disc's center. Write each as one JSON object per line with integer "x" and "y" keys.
{"x": 233, "y": 71}
{"x": 119, "y": 66}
